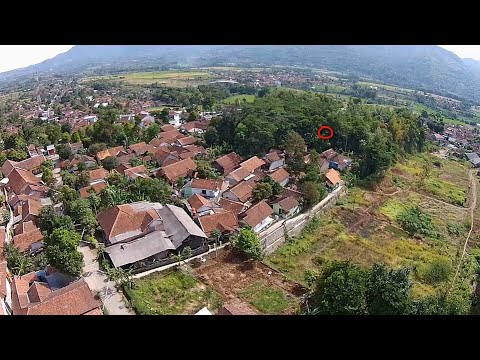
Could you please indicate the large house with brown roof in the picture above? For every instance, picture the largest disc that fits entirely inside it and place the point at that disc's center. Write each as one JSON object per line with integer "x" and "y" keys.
{"x": 199, "y": 205}
{"x": 274, "y": 160}
{"x": 24, "y": 182}
{"x": 208, "y": 188}
{"x": 177, "y": 170}
{"x": 95, "y": 188}
{"x": 281, "y": 176}
{"x": 227, "y": 163}
{"x": 31, "y": 296}
{"x": 145, "y": 232}
{"x": 98, "y": 175}
{"x": 332, "y": 179}
{"x": 29, "y": 241}
{"x": 238, "y": 175}
{"x": 230, "y": 205}
{"x": 241, "y": 192}
{"x": 258, "y": 216}
{"x": 253, "y": 163}
{"x": 226, "y": 222}
{"x": 286, "y": 206}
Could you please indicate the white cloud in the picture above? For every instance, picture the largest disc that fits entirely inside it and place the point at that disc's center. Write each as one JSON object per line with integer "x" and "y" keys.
{"x": 18, "y": 56}
{"x": 464, "y": 51}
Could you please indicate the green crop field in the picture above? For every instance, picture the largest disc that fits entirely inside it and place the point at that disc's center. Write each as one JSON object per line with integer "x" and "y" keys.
{"x": 242, "y": 98}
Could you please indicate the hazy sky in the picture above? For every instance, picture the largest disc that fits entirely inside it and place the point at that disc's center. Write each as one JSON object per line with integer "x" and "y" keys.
{"x": 17, "y": 56}
{"x": 464, "y": 51}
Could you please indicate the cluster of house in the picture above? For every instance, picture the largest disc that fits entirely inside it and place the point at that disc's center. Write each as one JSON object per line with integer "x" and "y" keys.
{"x": 458, "y": 138}
{"x": 43, "y": 292}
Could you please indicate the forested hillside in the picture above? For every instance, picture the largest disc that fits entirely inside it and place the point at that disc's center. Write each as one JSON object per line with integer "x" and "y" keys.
{"x": 375, "y": 135}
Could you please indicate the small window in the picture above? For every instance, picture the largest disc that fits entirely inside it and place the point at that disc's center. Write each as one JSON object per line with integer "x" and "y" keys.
{"x": 204, "y": 192}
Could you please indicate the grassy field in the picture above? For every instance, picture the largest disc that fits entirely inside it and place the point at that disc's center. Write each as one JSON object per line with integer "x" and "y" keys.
{"x": 386, "y": 87}
{"x": 363, "y": 227}
{"x": 172, "y": 293}
{"x": 270, "y": 300}
{"x": 242, "y": 98}
{"x": 418, "y": 108}
{"x": 167, "y": 78}
{"x": 448, "y": 183}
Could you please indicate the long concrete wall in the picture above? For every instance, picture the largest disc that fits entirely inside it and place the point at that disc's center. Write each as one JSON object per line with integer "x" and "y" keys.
{"x": 273, "y": 237}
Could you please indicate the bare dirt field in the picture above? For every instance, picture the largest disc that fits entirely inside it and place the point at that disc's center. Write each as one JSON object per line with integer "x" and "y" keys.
{"x": 263, "y": 288}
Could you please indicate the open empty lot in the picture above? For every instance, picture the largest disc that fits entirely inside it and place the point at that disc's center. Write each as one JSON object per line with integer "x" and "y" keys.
{"x": 364, "y": 227}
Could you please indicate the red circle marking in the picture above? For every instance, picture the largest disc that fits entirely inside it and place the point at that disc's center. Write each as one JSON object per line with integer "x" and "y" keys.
{"x": 325, "y": 137}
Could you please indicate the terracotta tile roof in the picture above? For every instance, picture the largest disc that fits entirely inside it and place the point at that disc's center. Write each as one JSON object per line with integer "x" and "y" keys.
{"x": 329, "y": 154}
{"x": 73, "y": 299}
{"x": 167, "y": 127}
{"x": 290, "y": 192}
{"x": 198, "y": 124}
{"x": 95, "y": 311}
{"x": 187, "y": 155}
{"x": 233, "y": 206}
{"x": 225, "y": 221}
{"x": 207, "y": 184}
{"x": 3, "y": 279}
{"x": 122, "y": 167}
{"x": 109, "y": 152}
{"x": 195, "y": 149}
{"x": 253, "y": 163}
{"x": 280, "y": 175}
{"x": 124, "y": 159}
{"x": 243, "y": 191}
{"x": 239, "y": 174}
{"x": 98, "y": 174}
{"x": 31, "y": 207}
{"x": 288, "y": 203}
{"x": 7, "y": 167}
{"x": 197, "y": 201}
{"x": 38, "y": 292}
{"x": 121, "y": 219}
{"x": 156, "y": 142}
{"x": 177, "y": 170}
{"x": 25, "y": 240}
{"x": 188, "y": 140}
{"x": 14, "y": 199}
{"x": 85, "y": 191}
{"x": 141, "y": 148}
{"x": 74, "y": 147}
{"x": 19, "y": 178}
{"x": 137, "y": 171}
{"x": 272, "y": 156}
{"x": 257, "y": 213}
{"x": 170, "y": 135}
{"x": 333, "y": 176}
{"x": 31, "y": 163}
{"x": 25, "y": 226}
{"x": 228, "y": 162}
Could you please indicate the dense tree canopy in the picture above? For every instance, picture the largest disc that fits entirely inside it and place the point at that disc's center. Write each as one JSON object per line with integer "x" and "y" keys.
{"x": 373, "y": 134}
{"x": 61, "y": 249}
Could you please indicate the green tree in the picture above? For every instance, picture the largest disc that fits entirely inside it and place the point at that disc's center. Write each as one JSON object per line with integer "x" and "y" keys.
{"x": 414, "y": 221}
{"x": 249, "y": 243}
{"x": 83, "y": 179}
{"x": 68, "y": 195}
{"x": 69, "y": 179}
{"x": 152, "y": 132}
{"x": 276, "y": 187}
{"x": 206, "y": 170}
{"x": 438, "y": 271}
{"x": 311, "y": 193}
{"x": 47, "y": 176}
{"x": 388, "y": 291}
{"x": 294, "y": 146}
{"x": 18, "y": 263}
{"x": 215, "y": 235}
{"x": 83, "y": 216}
{"x": 64, "y": 151}
{"x": 61, "y": 249}
{"x": 95, "y": 148}
{"x": 341, "y": 290}
{"x": 262, "y": 191}
{"x": 48, "y": 220}
{"x": 110, "y": 163}
{"x": 81, "y": 166}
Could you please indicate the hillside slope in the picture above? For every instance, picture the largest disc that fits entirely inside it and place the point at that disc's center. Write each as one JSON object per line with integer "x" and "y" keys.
{"x": 423, "y": 67}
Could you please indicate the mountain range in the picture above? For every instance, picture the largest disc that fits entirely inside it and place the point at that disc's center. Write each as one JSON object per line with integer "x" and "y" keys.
{"x": 422, "y": 67}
